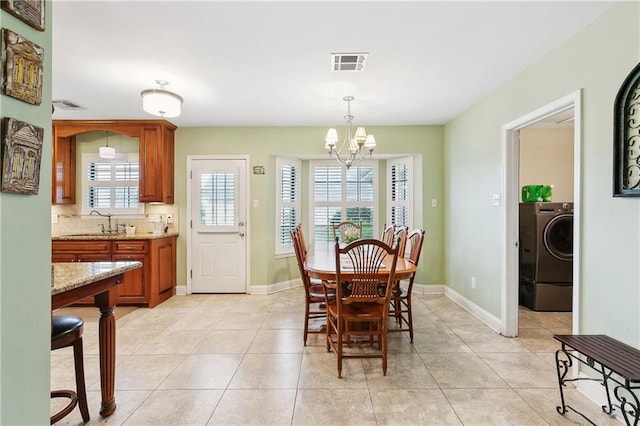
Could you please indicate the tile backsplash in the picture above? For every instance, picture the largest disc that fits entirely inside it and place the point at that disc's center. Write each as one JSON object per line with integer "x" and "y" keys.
{"x": 68, "y": 220}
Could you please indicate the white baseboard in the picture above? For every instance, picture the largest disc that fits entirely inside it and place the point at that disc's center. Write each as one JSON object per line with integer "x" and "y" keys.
{"x": 595, "y": 392}
{"x": 428, "y": 288}
{"x": 181, "y": 290}
{"x": 486, "y": 317}
{"x": 274, "y": 288}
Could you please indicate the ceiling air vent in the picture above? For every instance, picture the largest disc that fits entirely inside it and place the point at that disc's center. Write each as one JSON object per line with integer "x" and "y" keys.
{"x": 351, "y": 62}
{"x": 65, "y": 104}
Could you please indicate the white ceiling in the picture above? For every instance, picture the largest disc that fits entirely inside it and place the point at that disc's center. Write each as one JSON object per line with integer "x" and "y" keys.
{"x": 239, "y": 63}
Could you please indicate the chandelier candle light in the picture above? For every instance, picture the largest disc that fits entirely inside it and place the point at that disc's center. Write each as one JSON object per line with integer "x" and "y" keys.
{"x": 354, "y": 142}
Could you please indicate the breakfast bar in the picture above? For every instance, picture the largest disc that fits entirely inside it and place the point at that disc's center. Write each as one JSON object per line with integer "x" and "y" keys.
{"x": 72, "y": 281}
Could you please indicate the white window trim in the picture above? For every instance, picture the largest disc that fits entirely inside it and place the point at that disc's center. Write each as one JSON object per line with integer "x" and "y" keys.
{"x": 93, "y": 158}
{"x": 343, "y": 205}
{"x": 286, "y": 251}
{"x": 408, "y": 160}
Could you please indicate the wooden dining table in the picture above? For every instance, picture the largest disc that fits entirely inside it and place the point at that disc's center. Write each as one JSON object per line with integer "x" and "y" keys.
{"x": 73, "y": 281}
{"x": 321, "y": 264}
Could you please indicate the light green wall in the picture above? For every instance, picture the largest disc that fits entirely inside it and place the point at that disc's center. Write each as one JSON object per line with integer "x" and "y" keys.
{"x": 262, "y": 144}
{"x": 596, "y": 60}
{"x": 25, "y": 265}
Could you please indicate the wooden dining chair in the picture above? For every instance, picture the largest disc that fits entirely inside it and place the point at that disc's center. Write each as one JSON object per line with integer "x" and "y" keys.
{"x": 347, "y": 231}
{"x": 399, "y": 239}
{"x": 363, "y": 288}
{"x": 400, "y": 303}
{"x": 314, "y": 293}
{"x": 387, "y": 234}
{"x": 301, "y": 240}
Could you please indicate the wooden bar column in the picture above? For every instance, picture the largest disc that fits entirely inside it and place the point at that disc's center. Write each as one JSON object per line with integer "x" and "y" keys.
{"x": 106, "y": 302}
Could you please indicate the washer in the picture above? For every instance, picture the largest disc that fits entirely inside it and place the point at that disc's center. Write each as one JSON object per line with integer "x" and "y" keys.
{"x": 546, "y": 255}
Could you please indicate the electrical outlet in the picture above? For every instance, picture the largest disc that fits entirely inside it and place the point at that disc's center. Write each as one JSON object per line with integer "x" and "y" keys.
{"x": 54, "y": 218}
{"x": 434, "y": 202}
{"x": 169, "y": 218}
{"x": 473, "y": 283}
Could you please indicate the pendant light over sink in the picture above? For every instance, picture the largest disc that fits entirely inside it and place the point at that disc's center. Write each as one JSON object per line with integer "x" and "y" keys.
{"x": 107, "y": 152}
{"x": 161, "y": 102}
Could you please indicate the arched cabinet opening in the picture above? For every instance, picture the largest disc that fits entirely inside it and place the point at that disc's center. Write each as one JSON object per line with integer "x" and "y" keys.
{"x": 156, "y": 150}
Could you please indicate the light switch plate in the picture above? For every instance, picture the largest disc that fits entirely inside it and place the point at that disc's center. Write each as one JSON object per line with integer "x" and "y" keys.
{"x": 496, "y": 200}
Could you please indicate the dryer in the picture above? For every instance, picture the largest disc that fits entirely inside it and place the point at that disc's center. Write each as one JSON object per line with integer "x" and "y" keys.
{"x": 546, "y": 255}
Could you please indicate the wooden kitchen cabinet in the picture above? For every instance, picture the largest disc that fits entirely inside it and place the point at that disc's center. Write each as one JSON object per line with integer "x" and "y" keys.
{"x": 81, "y": 251}
{"x": 156, "y": 164}
{"x": 77, "y": 251}
{"x": 163, "y": 269}
{"x": 133, "y": 289}
{"x": 148, "y": 286}
{"x": 156, "y": 146}
{"x": 64, "y": 170}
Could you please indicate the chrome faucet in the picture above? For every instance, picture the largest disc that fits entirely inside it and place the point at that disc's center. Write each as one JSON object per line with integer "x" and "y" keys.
{"x": 109, "y": 230}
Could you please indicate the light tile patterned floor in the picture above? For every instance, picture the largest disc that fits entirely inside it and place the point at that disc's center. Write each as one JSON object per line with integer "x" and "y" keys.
{"x": 239, "y": 359}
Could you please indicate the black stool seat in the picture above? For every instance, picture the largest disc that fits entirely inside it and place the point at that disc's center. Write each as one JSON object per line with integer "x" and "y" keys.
{"x": 65, "y": 327}
{"x": 66, "y": 330}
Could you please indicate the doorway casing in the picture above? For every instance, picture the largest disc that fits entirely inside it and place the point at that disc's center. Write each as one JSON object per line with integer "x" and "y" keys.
{"x": 511, "y": 191}
{"x": 190, "y": 167}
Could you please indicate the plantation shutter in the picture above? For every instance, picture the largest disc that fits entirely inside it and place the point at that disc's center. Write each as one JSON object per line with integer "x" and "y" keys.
{"x": 287, "y": 202}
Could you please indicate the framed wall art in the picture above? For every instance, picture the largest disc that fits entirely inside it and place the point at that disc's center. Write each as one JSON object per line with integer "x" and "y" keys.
{"x": 22, "y": 68}
{"x": 626, "y": 137}
{"x": 28, "y": 11}
{"x": 21, "y": 156}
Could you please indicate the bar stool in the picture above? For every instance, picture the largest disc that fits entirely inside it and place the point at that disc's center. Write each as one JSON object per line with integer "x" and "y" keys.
{"x": 66, "y": 330}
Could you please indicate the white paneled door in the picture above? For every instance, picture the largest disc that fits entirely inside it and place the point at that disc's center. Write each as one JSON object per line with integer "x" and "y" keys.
{"x": 218, "y": 226}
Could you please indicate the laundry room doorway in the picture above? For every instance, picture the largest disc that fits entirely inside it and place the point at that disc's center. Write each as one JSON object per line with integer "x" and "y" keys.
{"x": 536, "y": 154}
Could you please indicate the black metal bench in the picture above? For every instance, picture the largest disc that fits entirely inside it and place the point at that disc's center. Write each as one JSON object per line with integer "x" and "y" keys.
{"x": 608, "y": 357}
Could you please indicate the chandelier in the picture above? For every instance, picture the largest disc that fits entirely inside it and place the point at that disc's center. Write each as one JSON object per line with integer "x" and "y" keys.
{"x": 160, "y": 101}
{"x": 352, "y": 142}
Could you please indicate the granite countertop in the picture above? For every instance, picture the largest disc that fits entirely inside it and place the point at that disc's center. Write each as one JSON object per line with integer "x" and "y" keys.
{"x": 97, "y": 236}
{"x": 69, "y": 275}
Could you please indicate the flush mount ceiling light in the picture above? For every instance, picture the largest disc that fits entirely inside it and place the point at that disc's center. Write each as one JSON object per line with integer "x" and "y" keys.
{"x": 107, "y": 152}
{"x": 161, "y": 102}
{"x": 353, "y": 142}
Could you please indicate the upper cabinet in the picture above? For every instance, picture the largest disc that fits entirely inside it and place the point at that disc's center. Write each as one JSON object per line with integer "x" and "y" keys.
{"x": 156, "y": 164}
{"x": 64, "y": 170}
{"x": 156, "y": 138}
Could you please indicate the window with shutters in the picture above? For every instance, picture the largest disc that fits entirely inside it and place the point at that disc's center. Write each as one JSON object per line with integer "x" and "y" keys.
{"x": 400, "y": 194}
{"x": 341, "y": 194}
{"x": 218, "y": 201}
{"x": 111, "y": 186}
{"x": 288, "y": 204}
